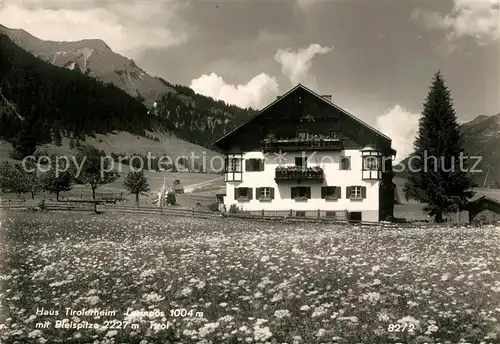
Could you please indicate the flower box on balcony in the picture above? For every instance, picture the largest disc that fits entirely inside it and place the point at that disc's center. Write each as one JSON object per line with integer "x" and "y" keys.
{"x": 301, "y": 198}
{"x": 265, "y": 199}
{"x": 243, "y": 199}
{"x": 331, "y": 198}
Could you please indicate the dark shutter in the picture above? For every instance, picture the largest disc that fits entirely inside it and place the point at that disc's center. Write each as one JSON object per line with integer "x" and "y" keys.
{"x": 363, "y": 191}
{"x": 248, "y": 165}
{"x": 261, "y": 165}
{"x": 323, "y": 191}
{"x": 348, "y": 192}
{"x": 348, "y": 163}
{"x": 257, "y": 193}
{"x": 294, "y": 192}
{"x": 272, "y": 193}
{"x": 338, "y": 192}
{"x": 249, "y": 193}
{"x": 226, "y": 163}
{"x": 236, "y": 193}
{"x": 308, "y": 192}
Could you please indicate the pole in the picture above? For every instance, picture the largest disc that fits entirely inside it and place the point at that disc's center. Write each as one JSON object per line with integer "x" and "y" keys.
{"x": 486, "y": 178}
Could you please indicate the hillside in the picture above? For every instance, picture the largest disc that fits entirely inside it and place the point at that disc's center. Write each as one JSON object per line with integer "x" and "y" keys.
{"x": 95, "y": 57}
{"x": 482, "y": 139}
{"x": 178, "y": 109}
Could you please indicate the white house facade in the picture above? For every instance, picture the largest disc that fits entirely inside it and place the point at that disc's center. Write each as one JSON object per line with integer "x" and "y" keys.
{"x": 304, "y": 156}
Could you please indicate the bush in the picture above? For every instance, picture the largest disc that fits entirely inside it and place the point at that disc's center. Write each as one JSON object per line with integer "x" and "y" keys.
{"x": 233, "y": 208}
{"x": 214, "y": 207}
{"x": 171, "y": 199}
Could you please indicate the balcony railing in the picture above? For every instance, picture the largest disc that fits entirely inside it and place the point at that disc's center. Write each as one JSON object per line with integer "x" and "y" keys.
{"x": 297, "y": 144}
{"x": 295, "y": 173}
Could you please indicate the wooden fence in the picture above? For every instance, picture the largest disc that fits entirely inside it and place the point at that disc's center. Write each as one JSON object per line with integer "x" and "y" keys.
{"x": 199, "y": 212}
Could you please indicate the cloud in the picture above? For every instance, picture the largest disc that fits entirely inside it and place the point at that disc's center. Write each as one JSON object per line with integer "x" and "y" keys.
{"x": 128, "y": 28}
{"x": 402, "y": 127}
{"x": 257, "y": 93}
{"x": 468, "y": 18}
{"x": 296, "y": 65}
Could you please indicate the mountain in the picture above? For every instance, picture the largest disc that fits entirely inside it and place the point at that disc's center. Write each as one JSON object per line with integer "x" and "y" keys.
{"x": 482, "y": 142}
{"x": 178, "y": 108}
{"x": 95, "y": 57}
{"x": 42, "y": 98}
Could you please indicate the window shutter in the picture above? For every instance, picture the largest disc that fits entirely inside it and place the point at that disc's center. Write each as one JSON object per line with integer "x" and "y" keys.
{"x": 236, "y": 193}
{"x": 323, "y": 191}
{"x": 272, "y": 193}
{"x": 248, "y": 165}
{"x": 261, "y": 165}
{"x": 348, "y": 163}
{"x": 257, "y": 193}
{"x": 348, "y": 192}
{"x": 294, "y": 192}
{"x": 249, "y": 193}
{"x": 308, "y": 192}
{"x": 338, "y": 192}
{"x": 226, "y": 164}
{"x": 363, "y": 191}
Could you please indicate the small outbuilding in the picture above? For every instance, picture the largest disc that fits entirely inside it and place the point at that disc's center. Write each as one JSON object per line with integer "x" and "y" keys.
{"x": 484, "y": 208}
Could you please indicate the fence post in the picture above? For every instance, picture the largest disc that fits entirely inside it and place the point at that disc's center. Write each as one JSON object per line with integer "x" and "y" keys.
{"x": 262, "y": 212}
{"x": 319, "y": 214}
{"x": 193, "y": 210}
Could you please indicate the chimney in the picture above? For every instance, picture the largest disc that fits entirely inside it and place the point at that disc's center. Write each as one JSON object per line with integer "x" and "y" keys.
{"x": 327, "y": 97}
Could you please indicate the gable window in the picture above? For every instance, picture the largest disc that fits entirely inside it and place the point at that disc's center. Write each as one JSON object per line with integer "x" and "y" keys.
{"x": 301, "y": 192}
{"x": 301, "y": 161}
{"x": 265, "y": 193}
{"x": 356, "y": 192}
{"x": 243, "y": 194}
{"x": 371, "y": 163}
{"x": 302, "y": 135}
{"x": 253, "y": 165}
{"x": 345, "y": 163}
{"x": 331, "y": 192}
{"x": 335, "y": 135}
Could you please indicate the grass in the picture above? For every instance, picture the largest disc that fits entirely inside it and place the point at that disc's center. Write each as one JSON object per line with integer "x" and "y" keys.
{"x": 247, "y": 282}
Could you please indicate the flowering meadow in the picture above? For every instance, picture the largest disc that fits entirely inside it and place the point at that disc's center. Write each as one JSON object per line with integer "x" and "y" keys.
{"x": 181, "y": 280}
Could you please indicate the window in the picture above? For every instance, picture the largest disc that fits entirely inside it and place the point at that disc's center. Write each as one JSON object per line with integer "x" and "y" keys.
{"x": 265, "y": 194}
{"x": 299, "y": 213}
{"x": 356, "y": 192}
{"x": 371, "y": 163}
{"x": 345, "y": 163}
{"x": 301, "y": 192}
{"x": 252, "y": 165}
{"x": 243, "y": 194}
{"x": 331, "y": 214}
{"x": 335, "y": 134}
{"x": 234, "y": 165}
{"x": 302, "y": 135}
{"x": 330, "y": 192}
{"x": 301, "y": 161}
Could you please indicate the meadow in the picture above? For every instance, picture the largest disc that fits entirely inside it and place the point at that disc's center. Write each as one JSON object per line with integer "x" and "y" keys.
{"x": 236, "y": 281}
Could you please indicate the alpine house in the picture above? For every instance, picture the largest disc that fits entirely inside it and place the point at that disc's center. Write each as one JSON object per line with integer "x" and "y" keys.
{"x": 304, "y": 156}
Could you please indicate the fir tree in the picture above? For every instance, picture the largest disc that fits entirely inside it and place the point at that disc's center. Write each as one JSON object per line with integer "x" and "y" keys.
{"x": 56, "y": 134}
{"x": 438, "y": 173}
{"x": 25, "y": 142}
{"x": 137, "y": 184}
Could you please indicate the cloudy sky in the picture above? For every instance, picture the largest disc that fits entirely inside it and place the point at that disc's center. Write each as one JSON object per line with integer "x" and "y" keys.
{"x": 375, "y": 57}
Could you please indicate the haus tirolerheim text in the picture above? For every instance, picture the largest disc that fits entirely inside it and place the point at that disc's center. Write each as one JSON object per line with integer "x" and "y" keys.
{"x": 304, "y": 156}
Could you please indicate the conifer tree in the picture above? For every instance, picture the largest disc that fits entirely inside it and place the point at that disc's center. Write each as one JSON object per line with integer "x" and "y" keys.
{"x": 438, "y": 174}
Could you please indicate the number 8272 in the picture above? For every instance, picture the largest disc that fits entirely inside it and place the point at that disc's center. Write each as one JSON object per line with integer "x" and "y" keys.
{"x": 401, "y": 327}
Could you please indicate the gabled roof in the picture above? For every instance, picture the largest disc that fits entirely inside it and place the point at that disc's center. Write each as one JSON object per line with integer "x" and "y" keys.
{"x": 313, "y": 93}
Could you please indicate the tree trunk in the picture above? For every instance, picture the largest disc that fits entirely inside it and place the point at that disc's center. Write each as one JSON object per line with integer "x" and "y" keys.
{"x": 57, "y": 196}
{"x": 438, "y": 217}
{"x": 32, "y": 195}
{"x": 93, "y": 193}
{"x": 137, "y": 200}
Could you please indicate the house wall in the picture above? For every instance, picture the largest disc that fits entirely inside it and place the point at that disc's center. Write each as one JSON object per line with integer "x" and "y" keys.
{"x": 330, "y": 162}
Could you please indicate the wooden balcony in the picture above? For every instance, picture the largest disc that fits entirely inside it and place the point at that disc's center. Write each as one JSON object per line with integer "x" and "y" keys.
{"x": 301, "y": 144}
{"x": 299, "y": 174}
